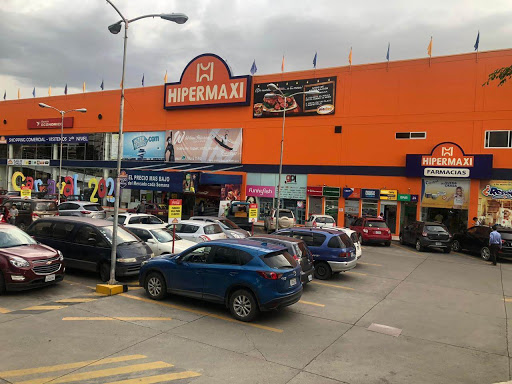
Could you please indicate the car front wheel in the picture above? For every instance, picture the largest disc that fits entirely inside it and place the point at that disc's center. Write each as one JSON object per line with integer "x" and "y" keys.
{"x": 485, "y": 253}
{"x": 2, "y": 283}
{"x": 419, "y": 247}
{"x": 401, "y": 239}
{"x": 456, "y": 246}
{"x": 155, "y": 286}
{"x": 323, "y": 271}
{"x": 243, "y": 305}
{"x": 361, "y": 239}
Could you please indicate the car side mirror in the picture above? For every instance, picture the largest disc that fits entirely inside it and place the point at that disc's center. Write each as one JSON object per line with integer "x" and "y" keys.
{"x": 179, "y": 260}
{"x": 152, "y": 241}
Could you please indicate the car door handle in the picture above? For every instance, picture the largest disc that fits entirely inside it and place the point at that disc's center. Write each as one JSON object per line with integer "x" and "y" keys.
{"x": 233, "y": 273}
{"x": 199, "y": 272}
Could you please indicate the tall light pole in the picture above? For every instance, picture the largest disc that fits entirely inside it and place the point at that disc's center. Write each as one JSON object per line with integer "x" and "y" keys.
{"x": 62, "y": 113}
{"x": 178, "y": 18}
{"x": 276, "y": 93}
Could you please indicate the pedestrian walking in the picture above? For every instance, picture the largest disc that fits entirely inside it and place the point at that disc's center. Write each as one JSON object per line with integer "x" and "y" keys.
{"x": 494, "y": 243}
{"x": 13, "y": 212}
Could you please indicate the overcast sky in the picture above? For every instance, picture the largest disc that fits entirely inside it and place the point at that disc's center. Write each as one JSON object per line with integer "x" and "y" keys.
{"x": 54, "y": 42}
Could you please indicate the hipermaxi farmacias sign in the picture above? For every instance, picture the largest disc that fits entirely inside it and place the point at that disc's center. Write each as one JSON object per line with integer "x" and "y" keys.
{"x": 207, "y": 82}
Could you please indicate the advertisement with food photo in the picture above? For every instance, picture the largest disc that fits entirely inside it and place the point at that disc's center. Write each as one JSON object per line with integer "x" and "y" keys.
{"x": 439, "y": 193}
{"x": 495, "y": 203}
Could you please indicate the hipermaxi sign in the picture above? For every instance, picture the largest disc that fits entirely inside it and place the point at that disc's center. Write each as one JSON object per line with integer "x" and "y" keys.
{"x": 207, "y": 82}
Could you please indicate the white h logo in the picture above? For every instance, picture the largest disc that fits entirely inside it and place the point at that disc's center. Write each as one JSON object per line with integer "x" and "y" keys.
{"x": 446, "y": 151}
{"x": 201, "y": 68}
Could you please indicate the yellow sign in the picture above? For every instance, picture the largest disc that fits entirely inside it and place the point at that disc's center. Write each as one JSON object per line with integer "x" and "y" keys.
{"x": 174, "y": 216}
{"x": 253, "y": 213}
{"x": 26, "y": 193}
{"x": 388, "y": 194}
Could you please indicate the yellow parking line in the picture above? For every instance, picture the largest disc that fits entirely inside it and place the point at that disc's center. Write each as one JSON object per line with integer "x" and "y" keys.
{"x": 116, "y": 318}
{"x": 357, "y": 273}
{"x": 86, "y": 376}
{"x": 364, "y": 263}
{"x": 44, "y": 307}
{"x": 84, "y": 300}
{"x": 311, "y": 303}
{"x": 202, "y": 313}
{"x": 158, "y": 378}
{"x": 4, "y": 310}
{"x": 333, "y": 285}
{"x": 508, "y": 300}
{"x": 61, "y": 367}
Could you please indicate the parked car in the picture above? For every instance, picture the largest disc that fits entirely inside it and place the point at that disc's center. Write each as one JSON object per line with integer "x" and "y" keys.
{"x": 231, "y": 230}
{"x": 7, "y": 195}
{"x": 159, "y": 210}
{"x": 198, "y": 231}
{"x": 137, "y": 218}
{"x": 245, "y": 275}
{"x": 82, "y": 209}
{"x": 372, "y": 230}
{"x": 333, "y": 251}
{"x": 355, "y": 239}
{"x": 321, "y": 221}
{"x": 29, "y": 210}
{"x": 159, "y": 238}
{"x": 298, "y": 249}
{"x": 86, "y": 244}
{"x": 286, "y": 219}
{"x": 476, "y": 239}
{"x": 425, "y": 235}
{"x": 238, "y": 213}
{"x": 24, "y": 263}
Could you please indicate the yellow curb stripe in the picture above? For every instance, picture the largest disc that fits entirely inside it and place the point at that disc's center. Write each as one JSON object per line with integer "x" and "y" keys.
{"x": 364, "y": 263}
{"x": 61, "y": 367}
{"x": 311, "y": 303}
{"x": 84, "y": 300}
{"x": 508, "y": 300}
{"x": 158, "y": 378}
{"x": 357, "y": 273}
{"x": 44, "y": 307}
{"x": 202, "y": 313}
{"x": 4, "y": 310}
{"x": 333, "y": 285}
{"x": 85, "y": 376}
{"x": 117, "y": 318}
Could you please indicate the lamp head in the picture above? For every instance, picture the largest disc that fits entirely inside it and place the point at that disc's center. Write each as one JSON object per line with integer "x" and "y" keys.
{"x": 83, "y": 110}
{"x": 178, "y": 18}
{"x": 43, "y": 105}
{"x": 115, "y": 28}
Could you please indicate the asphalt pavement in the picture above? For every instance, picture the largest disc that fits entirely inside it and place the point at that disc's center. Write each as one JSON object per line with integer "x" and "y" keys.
{"x": 400, "y": 316}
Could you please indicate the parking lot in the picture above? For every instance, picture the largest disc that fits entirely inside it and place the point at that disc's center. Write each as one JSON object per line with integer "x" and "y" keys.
{"x": 400, "y": 316}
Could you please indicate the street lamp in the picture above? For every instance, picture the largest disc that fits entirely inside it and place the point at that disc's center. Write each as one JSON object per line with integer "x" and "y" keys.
{"x": 178, "y": 18}
{"x": 278, "y": 92}
{"x": 62, "y": 113}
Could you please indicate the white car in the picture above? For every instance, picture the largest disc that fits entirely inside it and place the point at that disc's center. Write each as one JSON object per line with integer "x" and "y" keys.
{"x": 159, "y": 238}
{"x": 355, "y": 239}
{"x": 198, "y": 231}
{"x": 321, "y": 221}
{"x": 137, "y": 218}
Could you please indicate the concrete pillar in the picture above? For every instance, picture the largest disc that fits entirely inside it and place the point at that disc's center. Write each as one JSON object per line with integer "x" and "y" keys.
{"x": 55, "y": 156}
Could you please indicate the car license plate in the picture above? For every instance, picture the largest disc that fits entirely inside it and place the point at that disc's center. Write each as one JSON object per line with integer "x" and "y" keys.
{"x": 49, "y": 278}
{"x": 293, "y": 282}
{"x": 439, "y": 243}
{"x": 378, "y": 232}
{"x": 310, "y": 277}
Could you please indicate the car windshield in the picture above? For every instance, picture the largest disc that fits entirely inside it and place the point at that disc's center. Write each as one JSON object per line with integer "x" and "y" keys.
{"x": 45, "y": 206}
{"x": 123, "y": 236}
{"x": 376, "y": 224}
{"x": 435, "y": 228}
{"x": 14, "y": 237}
{"x": 93, "y": 207}
{"x": 279, "y": 260}
{"x": 163, "y": 235}
{"x": 228, "y": 224}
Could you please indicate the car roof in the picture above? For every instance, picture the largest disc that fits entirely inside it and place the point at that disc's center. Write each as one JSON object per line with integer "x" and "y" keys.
{"x": 276, "y": 238}
{"x": 373, "y": 218}
{"x": 330, "y": 231}
{"x": 76, "y": 219}
{"x": 431, "y": 223}
{"x": 260, "y": 247}
{"x": 197, "y": 222}
{"x": 220, "y": 218}
{"x": 348, "y": 231}
{"x": 146, "y": 226}
{"x": 322, "y": 216}
{"x": 17, "y": 198}
{"x": 81, "y": 202}
{"x": 129, "y": 214}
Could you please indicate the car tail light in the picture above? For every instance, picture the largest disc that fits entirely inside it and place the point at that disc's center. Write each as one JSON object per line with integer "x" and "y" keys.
{"x": 314, "y": 223}
{"x": 57, "y": 214}
{"x": 344, "y": 255}
{"x": 204, "y": 238}
{"x": 424, "y": 234}
{"x": 85, "y": 212}
{"x": 365, "y": 230}
{"x": 35, "y": 216}
{"x": 270, "y": 275}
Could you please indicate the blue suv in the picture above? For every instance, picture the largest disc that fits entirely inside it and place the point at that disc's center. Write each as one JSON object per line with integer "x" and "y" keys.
{"x": 245, "y": 275}
{"x": 333, "y": 251}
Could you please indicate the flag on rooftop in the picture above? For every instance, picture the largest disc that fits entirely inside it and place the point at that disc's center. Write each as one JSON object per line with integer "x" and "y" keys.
{"x": 254, "y": 68}
{"x": 314, "y": 60}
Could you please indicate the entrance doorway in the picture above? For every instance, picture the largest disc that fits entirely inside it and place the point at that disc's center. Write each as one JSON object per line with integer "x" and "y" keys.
{"x": 389, "y": 210}
{"x": 351, "y": 211}
{"x": 315, "y": 206}
{"x": 407, "y": 213}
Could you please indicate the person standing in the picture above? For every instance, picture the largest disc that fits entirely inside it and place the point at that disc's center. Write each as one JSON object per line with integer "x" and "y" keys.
{"x": 13, "y": 212}
{"x": 494, "y": 243}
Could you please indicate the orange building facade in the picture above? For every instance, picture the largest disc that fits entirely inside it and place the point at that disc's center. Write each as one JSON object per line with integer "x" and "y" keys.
{"x": 411, "y": 140}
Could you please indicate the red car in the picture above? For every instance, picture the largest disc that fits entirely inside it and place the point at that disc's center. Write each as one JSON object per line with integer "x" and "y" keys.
{"x": 372, "y": 230}
{"x": 159, "y": 210}
{"x": 24, "y": 263}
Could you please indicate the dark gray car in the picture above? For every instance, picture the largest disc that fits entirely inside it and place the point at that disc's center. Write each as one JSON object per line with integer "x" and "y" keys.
{"x": 82, "y": 209}
{"x": 231, "y": 230}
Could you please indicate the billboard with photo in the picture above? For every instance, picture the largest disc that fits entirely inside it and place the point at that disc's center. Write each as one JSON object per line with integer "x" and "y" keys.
{"x": 445, "y": 193}
{"x": 144, "y": 145}
{"x": 495, "y": 202}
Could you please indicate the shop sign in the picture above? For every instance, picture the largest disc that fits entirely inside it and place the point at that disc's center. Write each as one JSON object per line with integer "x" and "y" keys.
{"x": 48, "y": 139}
{"x": 445, "y": 193}
{"x": 370, "y": 194}
{"x": 415, "y": 198}
{"x": 253, "y": 213}
{"x": 495, "y": 203}
{"x": 152, "y": 180}
{"x": 28, "y": 162}
{"x": 388, "y": 194}
{"x": 50, "y": 123}
{"x": 298, "y": 105}
{"x": 403, "y": 197}
{"x": 294, "y": 186}
{"x": 314, "y": 191}
{"x": 260, "y": 191}
{"x": 207, "y": 82}
{"x": 174, "y": 211}
{"x": 352, "y": 193}
{"x": 331, "y": 191}
{"x": 449, "y": 160}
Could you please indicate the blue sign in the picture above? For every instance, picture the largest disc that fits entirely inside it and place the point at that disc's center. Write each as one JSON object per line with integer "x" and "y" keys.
{"x": 48, "y": 139}
{"x": 152, "y": 180}
{"x": 144, "y": 145}
{"x": 347, "y": 192}
{"x": 370, "y": 194}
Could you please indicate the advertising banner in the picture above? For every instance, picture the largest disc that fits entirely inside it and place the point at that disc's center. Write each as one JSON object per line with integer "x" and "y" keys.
{"x": 298, "y": 105}
{"x": 50, "y": 123}
{"x": 314, "y": 191}
{"x": 351, "y": 193}
{"x": 445, "y": 193}
{"x": 388, "y": 194}
{"x": 152, "y": 180}
{"x": 370, "y": 193}
{"x": 174, "y": 211}
{"x": 253, "y": 213}
{"x": 293, "y": 187}
{"x": 48, "y": 139}
{"x": 495, "y": 202}
{"x": 203, "y": 146}
{"x": 144, "y": 145}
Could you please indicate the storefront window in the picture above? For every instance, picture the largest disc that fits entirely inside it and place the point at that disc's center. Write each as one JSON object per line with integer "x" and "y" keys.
{"x": 315, "y": 205}
{"x": 456, "y": 220}
{"x": 264, "y": 206}
{"x": 3, "y": 151}
{"x": 351, "y": 211}
{"x": 370, "y": 208}
{"x": 331, "y": 207}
